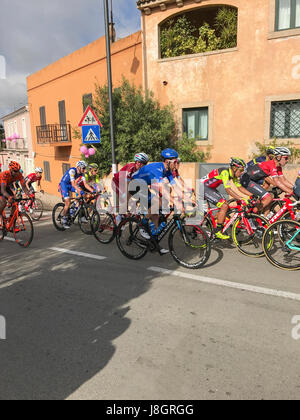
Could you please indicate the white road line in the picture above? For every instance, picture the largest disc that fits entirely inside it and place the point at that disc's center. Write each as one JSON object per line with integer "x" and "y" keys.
{"x": 10, "y": 239}
{"x": 224, "y": 283}
{"x": 79, "y": 254}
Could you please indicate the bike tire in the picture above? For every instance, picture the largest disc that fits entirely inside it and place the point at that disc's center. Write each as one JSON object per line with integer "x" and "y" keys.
{"x": 19, "y": 226}
{"x": 190, "y": 233}
{"x": 87, "y": 212}
{"x": 103, "y": 227}
{"x": 243, "y": 240}
{"x": 128, "y": 240}
{"x": 57, "y": 219}
{"x": 278, "y": 228}
{"x": 37, "y": 211}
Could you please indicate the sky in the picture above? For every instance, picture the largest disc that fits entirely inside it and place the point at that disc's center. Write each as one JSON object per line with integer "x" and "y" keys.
{"x": 35, "y": 33}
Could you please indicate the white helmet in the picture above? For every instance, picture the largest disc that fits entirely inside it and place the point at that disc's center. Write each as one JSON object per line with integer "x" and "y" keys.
{"x": 81, "y": 164}
{"x": 142, "y": 158}
{"x": 38, "y": 170}
{"x": 282, "y": 151}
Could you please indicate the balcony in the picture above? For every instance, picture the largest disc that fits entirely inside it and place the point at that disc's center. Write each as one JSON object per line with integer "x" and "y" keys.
{"x": 54, "y": 134}
{"x": 19, "y": 145}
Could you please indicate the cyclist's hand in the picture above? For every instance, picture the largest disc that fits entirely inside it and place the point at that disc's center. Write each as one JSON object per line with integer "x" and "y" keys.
{"x": 32, "y": 196}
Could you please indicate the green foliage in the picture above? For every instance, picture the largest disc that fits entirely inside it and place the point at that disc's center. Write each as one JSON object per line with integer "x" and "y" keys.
{"x": 180, "y": 37}
{"x": 208, "y": 40}
{"x": 140, "y": 125}
{"x": 188, "y": 151}
{"x": 262, "y": 149}
{"x": 2, "y": 136}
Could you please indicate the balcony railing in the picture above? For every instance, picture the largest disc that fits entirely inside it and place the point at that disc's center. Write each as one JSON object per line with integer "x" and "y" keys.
{"x": 56, "y": 134}
{"x": 17, "y": 145}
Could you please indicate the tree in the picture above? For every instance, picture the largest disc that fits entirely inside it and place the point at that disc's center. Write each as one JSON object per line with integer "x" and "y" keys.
{"x": 178, "y": 38}
{"x": 262, "y": 149}
{"x": 140, "y": 125}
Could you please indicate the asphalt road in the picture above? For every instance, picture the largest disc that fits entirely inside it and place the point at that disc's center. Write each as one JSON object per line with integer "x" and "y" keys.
{"x": 83, "y": 327}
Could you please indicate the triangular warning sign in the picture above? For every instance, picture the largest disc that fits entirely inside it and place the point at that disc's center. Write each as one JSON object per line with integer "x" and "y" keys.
{"x": 91, "y": 136}
{"x": 89, "y": 118}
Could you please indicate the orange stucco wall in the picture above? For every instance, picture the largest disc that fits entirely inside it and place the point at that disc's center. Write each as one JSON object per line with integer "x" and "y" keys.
{"x": 238, "y": 85}
{"x": 69, "y": 79}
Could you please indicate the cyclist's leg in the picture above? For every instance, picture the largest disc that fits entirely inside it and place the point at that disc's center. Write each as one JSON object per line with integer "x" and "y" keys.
{"x": 297, "y": 188}
{"x": 215, "y": 198}
{"x": 265, "y": 196}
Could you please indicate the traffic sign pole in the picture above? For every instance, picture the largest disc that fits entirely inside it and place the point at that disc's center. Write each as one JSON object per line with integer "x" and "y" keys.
{"x": 109, "y": 78}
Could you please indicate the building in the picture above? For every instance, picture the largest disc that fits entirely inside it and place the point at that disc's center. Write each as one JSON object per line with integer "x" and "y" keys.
{"x": 233, "y": 97}
{"x": 18, "y": 145}
{"x": 59, "y": 94}
{"x": 227, "y": 98}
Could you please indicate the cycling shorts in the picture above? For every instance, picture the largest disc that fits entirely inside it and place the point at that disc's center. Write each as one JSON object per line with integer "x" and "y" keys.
{"x": 253, "y": 187}
{"x": 65, "y": 189}
{"x": 213, "y": 196}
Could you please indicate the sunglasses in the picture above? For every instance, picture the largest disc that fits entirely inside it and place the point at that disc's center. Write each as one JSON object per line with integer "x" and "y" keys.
{"x": 285, "y": 157}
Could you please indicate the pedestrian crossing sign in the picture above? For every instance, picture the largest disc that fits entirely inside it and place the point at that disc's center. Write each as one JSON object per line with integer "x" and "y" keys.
{"x": 91, "y": 134}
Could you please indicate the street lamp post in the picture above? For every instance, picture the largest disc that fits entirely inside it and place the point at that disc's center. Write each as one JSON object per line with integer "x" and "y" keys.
{"x": 109, "y": 79}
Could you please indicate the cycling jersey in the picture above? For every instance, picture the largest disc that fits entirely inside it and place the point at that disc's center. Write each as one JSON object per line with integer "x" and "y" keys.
{"x": 257, "y": 160}
{"x": 92, "y": 179}
{"x": 264, "y": 170}
{"x": 70, "y": 176}
{"x": 220, "y": 176}
{"x": 154, "y": 173}
{"x": 7, "y": 180}
{"x": 32, "y": 178}
{"x": 297, "y": 187}
{"x": 126, "y": 173}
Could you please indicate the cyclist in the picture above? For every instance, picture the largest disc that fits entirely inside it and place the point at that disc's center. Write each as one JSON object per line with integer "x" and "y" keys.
{"x": 260, "y": 159}
{"x": 156, "y": 175}
{"x": 7, "y": 179}
{"x": 68, "y": 185}
{"x": 92, "y": 176}
{"x": 122, "y": 179}
{"x": 271, "y": 172}
{"x": 87, "y": 183}
{"x": 223, "y": 176}
{"x": 34, "y": 177}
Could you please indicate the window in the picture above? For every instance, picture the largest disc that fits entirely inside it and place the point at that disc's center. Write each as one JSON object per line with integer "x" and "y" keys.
{"x": 87, "y": 100}
{"x": 287, "y": 14}
{"x": 24, "y": 132}
{"x": 65, "y": 167}
{"x": 195, "y": 123}
{"x": 43, "y": 116}
{"x": 285, "y": 119}
{"x": 62, "y": 112}
{"x": 47, "y": 171}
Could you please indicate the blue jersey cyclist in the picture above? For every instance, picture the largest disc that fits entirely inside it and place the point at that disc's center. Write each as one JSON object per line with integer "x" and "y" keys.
{"x": 269, "y": 156}
{"x": 68, "y": 185}
{"x": 156, "y": 175}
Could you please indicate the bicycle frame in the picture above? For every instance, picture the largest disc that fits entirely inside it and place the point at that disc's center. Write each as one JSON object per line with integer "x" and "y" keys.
{"x": 287, "y": 207}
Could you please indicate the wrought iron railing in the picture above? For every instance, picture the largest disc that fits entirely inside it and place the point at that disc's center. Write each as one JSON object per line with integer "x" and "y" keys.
{"x": 54, "y": 134}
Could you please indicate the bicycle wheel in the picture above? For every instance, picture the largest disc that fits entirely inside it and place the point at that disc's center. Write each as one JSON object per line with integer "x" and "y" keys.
{"x": 103, "y": 227}
{"x": 189, "y": 246}
{"x": 36, "y": 210}
{"x": 250, "y": 244}
{"x": 85, "y": 219}
{"x": 284, "y": 251}
{"x": 23, "y": 230}
{"x": 57, "y": 215}
{"x": 2, "y": 229}
{"x": 129, "y": 240}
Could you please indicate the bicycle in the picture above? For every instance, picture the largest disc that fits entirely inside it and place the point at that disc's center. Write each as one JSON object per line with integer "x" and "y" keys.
{"x": 281, "y": 244}
{"x": 80, "y": 209}
{"x": 20, "y": 224}
{"x": 189, "y": 245}
{"x": 34, "y": 207}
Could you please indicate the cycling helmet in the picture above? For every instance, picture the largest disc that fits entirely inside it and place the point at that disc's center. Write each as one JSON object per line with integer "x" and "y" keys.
{"x": 238, "y": 163}
{"x": 270, "y": 150}
{"x": 38, "y": 170}
{"x": 169, "y": 154}
{"x": 142, "y": 158}
{"x": 282, "y": 151}
{"x": 14, "y": 166}
{"x": 93, "y": 166}
{"x": 81, "y": 164}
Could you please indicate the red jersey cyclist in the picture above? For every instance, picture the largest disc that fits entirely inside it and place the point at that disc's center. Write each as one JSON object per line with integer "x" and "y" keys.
{"x": 271, "y": 172}
{"x": 224, "y": 176}
{"x": 34, "y": 177}
{"x": 7, "y": 179}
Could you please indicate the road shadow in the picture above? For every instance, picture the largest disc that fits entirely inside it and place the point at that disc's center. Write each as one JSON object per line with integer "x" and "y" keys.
{"x": 62, "y": 319}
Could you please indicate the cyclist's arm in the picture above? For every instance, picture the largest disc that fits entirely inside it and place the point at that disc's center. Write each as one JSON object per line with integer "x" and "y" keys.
{"x": 227, "y": 185}
{"x": 25, "y": 188}
{"x": 244, "y": 191}
{"x": 4, "y": 193}
{"x": 235, "y": 195}
{"x": 286, "y": 182}
{"x": 282, "y": 186}
{"x": 86, "y": 186}
{"x": 76, "y": 187}
{"x": 27, "y": 184}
